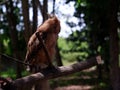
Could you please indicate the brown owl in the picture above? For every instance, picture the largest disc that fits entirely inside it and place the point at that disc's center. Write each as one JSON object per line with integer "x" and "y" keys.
{"x": 36, "y": 55}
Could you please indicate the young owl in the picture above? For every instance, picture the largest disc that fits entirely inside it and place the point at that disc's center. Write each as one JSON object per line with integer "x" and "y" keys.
{"x": 36, "y": 55}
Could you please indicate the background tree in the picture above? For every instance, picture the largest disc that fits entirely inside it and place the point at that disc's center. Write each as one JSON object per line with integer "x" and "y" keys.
{"x": 12, "y": 24}
{"x": 25, "y": 11}
{"x": 102, "y": 36}
{"x": 114, "y": 44}
{"x": 100, "y": 33}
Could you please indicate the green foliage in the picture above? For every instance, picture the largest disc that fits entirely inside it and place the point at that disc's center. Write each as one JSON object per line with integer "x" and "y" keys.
{"x": 63, "y": 45}
{"x": 9, "y": 73}
{"x": 94, "y": 37}
{"x": 7, "y": 46}
{"x": 72, "y": 51}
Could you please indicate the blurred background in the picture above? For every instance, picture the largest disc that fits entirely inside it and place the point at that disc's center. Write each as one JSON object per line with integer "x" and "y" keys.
{"x": 88, "y": 28}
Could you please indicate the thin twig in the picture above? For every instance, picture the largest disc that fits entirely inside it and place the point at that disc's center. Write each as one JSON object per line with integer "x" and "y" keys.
{"x": 13, "y": 59}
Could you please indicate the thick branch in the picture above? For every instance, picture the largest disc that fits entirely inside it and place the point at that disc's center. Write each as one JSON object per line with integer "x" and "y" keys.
{"x": 31, "y": 80}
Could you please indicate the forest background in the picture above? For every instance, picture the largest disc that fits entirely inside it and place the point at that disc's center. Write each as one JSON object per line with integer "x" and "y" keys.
{"x": 93, "y": 28}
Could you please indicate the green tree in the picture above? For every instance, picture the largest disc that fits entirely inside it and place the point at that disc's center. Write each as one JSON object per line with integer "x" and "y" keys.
{"x": 114, "y": 44}
{"x": 101, "y": 21}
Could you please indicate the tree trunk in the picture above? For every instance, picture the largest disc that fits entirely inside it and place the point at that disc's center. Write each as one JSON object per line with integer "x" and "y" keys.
{"x": 53, "y": 7}
{"x": 114, "y": 46}
{"x": 35, "y": 21}
{"x": 38, "y": 3}
{"x": 13, "y": 33}
{"x": 45, "y": 10}
{"x": 25, "y": 11}
{"x": 0, "y": 52}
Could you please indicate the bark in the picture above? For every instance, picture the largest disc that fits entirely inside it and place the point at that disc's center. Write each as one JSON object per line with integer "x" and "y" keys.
{"x": 53, "y": 7}
{"x": 25, "y": 11}
{"x": 28, "y": 82}
{"x": 0, "y": 46}
{"x": 39, "y": 5}
{"x": 13, "y": 33}
{"x": 0, "y": 52}
{"x": 43, "y": 8}
{"x": 35, "y": 21}
{"x": 114, "y": 46}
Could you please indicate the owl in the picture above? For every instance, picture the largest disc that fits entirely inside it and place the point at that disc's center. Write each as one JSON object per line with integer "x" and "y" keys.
{"x": 36, "y": 55}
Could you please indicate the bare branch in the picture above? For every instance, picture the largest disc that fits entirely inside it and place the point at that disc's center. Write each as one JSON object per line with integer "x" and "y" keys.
{"x": 29, "y": 81}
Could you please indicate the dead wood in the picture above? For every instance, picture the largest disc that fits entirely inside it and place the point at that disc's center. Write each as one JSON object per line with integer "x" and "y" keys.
{"x": 28, "y": 82}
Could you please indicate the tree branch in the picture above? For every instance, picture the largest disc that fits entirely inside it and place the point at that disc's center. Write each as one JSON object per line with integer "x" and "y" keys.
{"x": 29, "y": 81}
{"x": 38, "y": 3}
